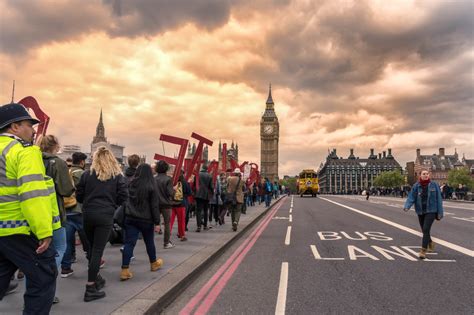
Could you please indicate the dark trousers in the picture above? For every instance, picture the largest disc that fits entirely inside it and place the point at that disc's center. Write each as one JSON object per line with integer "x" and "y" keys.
{"x": 201, "y": 210}
{"x": 97, "y": 228}
{"x": 222, "y": 212}
{"x": 214, "y": 212}
{"x": 166, "y": 220}
{"x": 133, "y": 228}
{"x": 73, "y": 225}
{"x": 19, "y": 251}
{"x": 426, "y": 221}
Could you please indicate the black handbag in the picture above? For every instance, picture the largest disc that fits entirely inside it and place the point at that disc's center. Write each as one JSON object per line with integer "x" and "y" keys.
{"x": 119, "y": 215}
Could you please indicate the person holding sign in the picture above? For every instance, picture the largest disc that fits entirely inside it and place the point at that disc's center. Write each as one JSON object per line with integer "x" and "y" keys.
{"x": 426, "y": 196}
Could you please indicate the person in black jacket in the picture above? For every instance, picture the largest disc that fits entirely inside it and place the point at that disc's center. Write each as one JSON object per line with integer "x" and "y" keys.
{"x": 100, "y": 190}
{"x": 204, "y": 192}
{"x": 142, "y": 213}
{"x": 165, "y": 190}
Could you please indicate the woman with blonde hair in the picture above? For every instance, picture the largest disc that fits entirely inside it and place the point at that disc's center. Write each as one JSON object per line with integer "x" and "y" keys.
{"x": 426, "y": 196}
{"x": 100, "y": 190}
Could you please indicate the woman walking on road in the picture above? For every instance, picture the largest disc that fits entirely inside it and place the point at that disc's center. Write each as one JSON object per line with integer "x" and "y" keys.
{"x": 142, "y": 213}
{"x": 426, "y": 196}
{"x": 100, "y": 190}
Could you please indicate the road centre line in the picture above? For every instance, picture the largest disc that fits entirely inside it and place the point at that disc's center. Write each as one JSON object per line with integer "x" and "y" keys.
{"x": 450, "y": 245}
{"x": 291, "y": 210}
{"x": 288, "y": 236}
{"x": 281, "y": 301}
{"x": 222, "y": 276}
{"x": 291, "y": 218}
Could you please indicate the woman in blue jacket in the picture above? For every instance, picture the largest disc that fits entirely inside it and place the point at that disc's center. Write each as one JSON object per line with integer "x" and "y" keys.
{"x": 426, "y": 196}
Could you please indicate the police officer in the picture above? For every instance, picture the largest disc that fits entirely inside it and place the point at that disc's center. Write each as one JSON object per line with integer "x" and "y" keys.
{"x": 28, "y": 211}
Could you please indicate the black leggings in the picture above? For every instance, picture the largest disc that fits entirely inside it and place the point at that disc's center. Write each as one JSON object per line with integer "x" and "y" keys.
{"x": 97, "y": 228}
{"x": 426, "y": 221}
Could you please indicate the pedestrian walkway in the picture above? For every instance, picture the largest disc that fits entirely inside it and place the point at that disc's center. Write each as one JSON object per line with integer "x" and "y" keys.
{"x": 140, "y": 293}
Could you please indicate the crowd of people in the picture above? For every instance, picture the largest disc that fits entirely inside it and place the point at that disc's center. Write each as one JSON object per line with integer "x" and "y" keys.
{"x": 49, "y": 205}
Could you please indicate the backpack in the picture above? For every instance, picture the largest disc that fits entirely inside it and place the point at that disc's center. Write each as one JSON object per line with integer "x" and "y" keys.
{"x": 178, "y": 195}
{"x": 71, "y": 201}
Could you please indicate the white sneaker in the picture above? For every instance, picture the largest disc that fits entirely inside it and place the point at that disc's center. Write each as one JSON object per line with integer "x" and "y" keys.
{"x": 168, "y": 246}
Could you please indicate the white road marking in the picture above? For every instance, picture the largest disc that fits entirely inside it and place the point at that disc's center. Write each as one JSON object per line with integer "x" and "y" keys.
{"x": 288, "y": 236}
{"x": 455, "y": 247}
{"x": 280, "y": 218}
{"x": 291, "y": 218}
{"x": 410, "y": 249}
{"x": 291, "y": 210}
{"x": 465, "y": 219}
{"x": 318, "y": 256}
{"x": 281, "y": 301}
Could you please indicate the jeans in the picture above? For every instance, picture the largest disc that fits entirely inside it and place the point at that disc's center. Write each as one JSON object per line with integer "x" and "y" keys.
{"x": 426, "y": 221}
{"x": 97, "y": 228}
{"x": 73, "y": 224}
{"x": 19, "y": 251}
{"x": 202, "y": 206}
{"x": 180, "y": 212}
{"x": 59, "y": 244}
{"x": 133, "y": 228}
{"x": 268, "y": 199}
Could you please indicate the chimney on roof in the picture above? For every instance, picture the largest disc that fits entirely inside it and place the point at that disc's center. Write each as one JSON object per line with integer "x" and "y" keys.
{"x": 418, "y": 152}
{"x": 371, "y": 152}
{"x": 384, "y": 156}
{"x": 441, "y": 151}
{"x": 380, "y": 155}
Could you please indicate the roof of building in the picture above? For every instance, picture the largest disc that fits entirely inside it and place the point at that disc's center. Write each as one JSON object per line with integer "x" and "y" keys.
{"x": 439, "y": 163}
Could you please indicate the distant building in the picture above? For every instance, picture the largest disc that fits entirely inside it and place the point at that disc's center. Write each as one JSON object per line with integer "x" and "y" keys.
{"x": 100, "y": 140}
{"x": 438, "y": 164}
{"x": 232, "y": 153}
{"x": 192, "y": 152}
{"x": 339, "y": 175}
{"x": 67, "y": 150}
{"x": 410, "y": 173}
{"x": 469, "y": 164}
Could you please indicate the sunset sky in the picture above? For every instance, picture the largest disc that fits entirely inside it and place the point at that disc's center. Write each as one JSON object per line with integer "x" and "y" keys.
{"x": 345, "y": 74}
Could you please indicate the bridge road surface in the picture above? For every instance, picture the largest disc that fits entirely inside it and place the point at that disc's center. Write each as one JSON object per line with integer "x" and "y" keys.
{"x": 337, "y": 260}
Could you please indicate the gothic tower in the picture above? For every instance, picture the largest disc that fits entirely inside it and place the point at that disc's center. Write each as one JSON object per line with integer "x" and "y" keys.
{"x": 269, "y": 136}
{"x": 100, "y": 131}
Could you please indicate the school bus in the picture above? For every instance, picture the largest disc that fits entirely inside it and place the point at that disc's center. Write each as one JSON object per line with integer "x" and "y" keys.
{"x": 308, "y": 183}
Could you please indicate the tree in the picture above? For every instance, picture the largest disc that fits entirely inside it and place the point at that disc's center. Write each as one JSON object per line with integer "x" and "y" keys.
{"x": 291, "y": 183}
{"x": 460, "y": 176}
{"x": 390, "y": 179}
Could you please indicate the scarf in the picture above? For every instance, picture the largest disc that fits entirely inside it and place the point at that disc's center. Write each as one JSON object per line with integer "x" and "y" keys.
{"x": 424, "y": 183}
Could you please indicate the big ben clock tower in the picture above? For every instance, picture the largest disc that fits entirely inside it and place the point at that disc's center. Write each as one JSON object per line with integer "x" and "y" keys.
{"x": 269, "y": 135}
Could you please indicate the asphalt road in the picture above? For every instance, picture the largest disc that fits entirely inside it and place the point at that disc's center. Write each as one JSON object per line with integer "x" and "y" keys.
{"x": 341, "y": 254}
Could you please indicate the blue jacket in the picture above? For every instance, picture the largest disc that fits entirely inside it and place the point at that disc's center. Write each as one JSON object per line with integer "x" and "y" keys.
{"x": 434, "y": 202}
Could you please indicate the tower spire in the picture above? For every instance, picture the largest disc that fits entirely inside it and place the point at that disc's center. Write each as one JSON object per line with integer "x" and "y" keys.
{"x": 270, "y": 99}
{"x": 100, "y": 130}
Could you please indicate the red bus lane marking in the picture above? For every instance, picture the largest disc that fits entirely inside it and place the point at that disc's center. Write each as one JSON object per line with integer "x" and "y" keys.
{"x": 198, "y": 298}
{"x": 214, "y": 293}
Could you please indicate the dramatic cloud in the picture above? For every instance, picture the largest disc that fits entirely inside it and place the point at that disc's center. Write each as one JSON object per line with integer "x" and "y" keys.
{"x": 346, "y": 74}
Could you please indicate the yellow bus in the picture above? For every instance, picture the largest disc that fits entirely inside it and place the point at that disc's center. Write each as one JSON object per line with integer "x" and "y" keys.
{"x": 308, "y": 183}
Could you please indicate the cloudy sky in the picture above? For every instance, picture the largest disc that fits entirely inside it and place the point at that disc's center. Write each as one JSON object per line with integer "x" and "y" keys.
{"x": 345, "y": 74}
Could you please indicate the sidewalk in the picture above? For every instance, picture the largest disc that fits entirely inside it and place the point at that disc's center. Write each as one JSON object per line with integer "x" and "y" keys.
{"x": 146, "y": 291}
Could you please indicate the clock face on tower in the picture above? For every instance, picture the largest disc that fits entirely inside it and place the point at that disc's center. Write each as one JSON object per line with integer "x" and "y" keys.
{"x": 268, "y": 129}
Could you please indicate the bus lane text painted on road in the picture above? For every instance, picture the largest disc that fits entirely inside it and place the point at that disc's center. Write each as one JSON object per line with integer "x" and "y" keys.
{"x": 380, "y": 252}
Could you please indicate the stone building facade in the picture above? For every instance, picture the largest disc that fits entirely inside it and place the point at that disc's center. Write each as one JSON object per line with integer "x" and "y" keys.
{"x": 438, "y": 164}
{"x": 339, "y": 175}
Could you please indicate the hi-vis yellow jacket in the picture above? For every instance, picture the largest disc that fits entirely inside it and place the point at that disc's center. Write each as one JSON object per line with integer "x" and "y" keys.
{"x": 27, "y": 197}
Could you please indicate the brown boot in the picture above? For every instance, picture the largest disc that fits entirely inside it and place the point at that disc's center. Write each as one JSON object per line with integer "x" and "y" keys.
{"x": 422, "y": 254}
{"x": 125, "y": 274}
{"x": 431, "y": 247}
{"x": 154, "y": 266}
